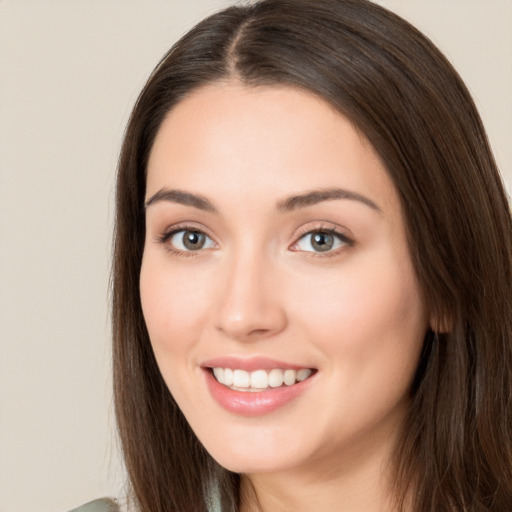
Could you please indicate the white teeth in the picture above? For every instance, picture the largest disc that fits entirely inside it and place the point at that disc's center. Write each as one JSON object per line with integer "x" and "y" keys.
{"x": 303, "y": 374}
{"x": 219, "y": 374}
{"x": 289, "y": 377}
{"x": 259, "y": 379}
{"x": 241, "y": 379}
{"x": 275, "y": 378}
{"x": 228, "y": 377}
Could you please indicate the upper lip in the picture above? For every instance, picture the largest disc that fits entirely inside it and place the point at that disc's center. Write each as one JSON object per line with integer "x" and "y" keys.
{"x": 250, "y": 364}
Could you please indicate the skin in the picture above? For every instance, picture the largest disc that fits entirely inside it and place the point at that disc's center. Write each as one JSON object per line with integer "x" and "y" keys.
{"x": 259, "y": 288}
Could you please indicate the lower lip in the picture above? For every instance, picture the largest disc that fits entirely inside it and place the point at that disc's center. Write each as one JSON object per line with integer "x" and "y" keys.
{"x": 253, "y": 403}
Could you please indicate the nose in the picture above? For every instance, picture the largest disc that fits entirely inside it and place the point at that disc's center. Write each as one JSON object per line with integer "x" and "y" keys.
{"x": 250, "y": 305}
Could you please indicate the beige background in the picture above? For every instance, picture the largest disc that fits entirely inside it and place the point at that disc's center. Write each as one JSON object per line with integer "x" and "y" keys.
{"x": 69, "y": 74}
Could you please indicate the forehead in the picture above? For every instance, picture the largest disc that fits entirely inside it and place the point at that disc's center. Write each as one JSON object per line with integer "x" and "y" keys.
{"x": 270, "y": 114}
{"x": 274, "y": 140}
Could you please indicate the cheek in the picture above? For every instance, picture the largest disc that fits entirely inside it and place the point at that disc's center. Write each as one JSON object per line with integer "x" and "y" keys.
{"x": 368, "y": 310}
{"x": 173, "y": 303}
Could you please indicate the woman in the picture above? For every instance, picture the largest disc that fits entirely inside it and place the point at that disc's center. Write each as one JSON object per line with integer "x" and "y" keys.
{"x": 312, "y": 273}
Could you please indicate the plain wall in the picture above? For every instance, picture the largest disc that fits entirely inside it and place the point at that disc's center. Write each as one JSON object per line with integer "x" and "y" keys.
{"x": 69, "y": 75}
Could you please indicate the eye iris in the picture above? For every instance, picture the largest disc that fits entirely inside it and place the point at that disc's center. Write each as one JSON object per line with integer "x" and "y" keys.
{"x": 322, "y": 241}
{"x": 193, "y": 240}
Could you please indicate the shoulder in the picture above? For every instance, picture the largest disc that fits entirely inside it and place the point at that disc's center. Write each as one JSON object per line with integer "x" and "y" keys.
{"x": 101, "y": 505}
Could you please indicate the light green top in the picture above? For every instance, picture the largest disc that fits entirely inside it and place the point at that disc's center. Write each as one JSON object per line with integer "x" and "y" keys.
{"x": 109, "y": 505}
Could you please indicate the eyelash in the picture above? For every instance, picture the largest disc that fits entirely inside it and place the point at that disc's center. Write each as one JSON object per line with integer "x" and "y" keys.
{"x": 346, "y": 241}
{"x": 167, "y": 235}
{"x": 343, "y": 238}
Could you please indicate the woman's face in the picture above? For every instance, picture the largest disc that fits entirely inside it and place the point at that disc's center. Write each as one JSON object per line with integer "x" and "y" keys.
{"x": 276, "y": 258}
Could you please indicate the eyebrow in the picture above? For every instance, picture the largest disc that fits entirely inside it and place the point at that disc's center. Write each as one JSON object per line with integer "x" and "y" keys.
{"x": 289, "y": 204}
{"x": 319, "y": 196}
{"x": 181, "y": 197}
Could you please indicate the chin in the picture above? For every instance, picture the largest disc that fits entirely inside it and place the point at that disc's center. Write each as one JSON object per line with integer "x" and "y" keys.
{"x": 252, "y": 463}
{"x": 257, "y": 454}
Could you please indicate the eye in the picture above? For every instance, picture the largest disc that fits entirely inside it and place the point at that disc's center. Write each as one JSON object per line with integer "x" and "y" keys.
{"x": 321, "y": 241}
{"x": 190, "y": 240}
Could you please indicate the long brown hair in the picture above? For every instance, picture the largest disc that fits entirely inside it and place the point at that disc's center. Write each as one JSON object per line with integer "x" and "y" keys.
{"x": 455, "y": 449}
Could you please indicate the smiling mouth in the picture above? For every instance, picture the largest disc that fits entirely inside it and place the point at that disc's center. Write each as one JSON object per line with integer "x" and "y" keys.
{"x": 259, "y": 380}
